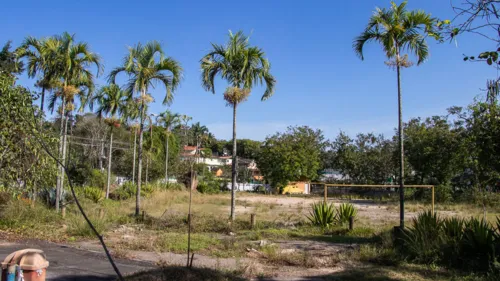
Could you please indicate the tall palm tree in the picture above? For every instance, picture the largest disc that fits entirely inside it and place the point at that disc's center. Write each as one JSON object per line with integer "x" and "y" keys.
{"x": 398, "y": 30}
{"x": 40, "y": 62}
{"x": 146, "y": 65}
{"x": 72, "y": 78}
{"x": 167, "y": 120}
{"x": 242, "y": 66}
{"x": 111, "y": 101}
{"x": 131, "y": 113}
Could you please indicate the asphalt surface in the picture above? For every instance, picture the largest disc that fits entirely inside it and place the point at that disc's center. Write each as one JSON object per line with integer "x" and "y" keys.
{"x": 70, "y": 264}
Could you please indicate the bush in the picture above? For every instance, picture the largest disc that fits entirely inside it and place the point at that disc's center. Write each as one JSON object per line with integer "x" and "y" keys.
{"x": 344, "y": 212}
{"x": 94, "y": 194}
{"x": 322, "y": 214}
{"x": 98, "y": 178}
{"x": 471, "y": 245}
{"x": 208, "y": 187}
{"x": 124, "y": 192}
{"x": 424, "y": 240}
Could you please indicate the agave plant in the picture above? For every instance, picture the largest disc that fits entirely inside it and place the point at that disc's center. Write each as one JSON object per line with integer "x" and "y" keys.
{"x": 478, "y": 245}
{"x": 423, "y": 241}
{"x": 322, "y": 214}
{"x": 93, "y": 193}
{"x": 344, "y": 212}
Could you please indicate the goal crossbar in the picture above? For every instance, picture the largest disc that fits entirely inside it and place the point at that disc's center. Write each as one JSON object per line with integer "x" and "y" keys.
{"x": 326, "y": 185}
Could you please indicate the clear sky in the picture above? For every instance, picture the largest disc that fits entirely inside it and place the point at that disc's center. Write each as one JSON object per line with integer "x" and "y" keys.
{"x": 321, "y": 82}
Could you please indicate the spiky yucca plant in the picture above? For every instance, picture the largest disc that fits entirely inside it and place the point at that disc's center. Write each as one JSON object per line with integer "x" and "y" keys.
{"x": 322, "y": 214}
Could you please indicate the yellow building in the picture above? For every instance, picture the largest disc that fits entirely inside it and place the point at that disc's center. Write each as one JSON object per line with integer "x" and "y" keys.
{"x": 298, "y": 187}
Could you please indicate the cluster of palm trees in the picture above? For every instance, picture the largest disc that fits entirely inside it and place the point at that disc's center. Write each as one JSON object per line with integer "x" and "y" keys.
{"x": 63, "y": 68}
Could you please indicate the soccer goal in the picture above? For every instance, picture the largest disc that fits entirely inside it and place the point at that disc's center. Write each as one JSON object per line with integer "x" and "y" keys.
{"x": 372, "y": 187}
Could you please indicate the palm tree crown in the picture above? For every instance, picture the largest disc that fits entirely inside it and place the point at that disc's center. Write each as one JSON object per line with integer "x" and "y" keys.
{"x": 397, "y": 29}
{"x": 242, "y": 65}
{"x": 110, "y": 100}
{"x": 144, "y": 70}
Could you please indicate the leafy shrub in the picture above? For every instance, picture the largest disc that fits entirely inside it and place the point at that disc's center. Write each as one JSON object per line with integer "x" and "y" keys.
{"x": 344, "y": 212}
{"x": 98, "y": 178}
{"x": 124, "y": 192}
{"x": 260, "y": 189}
{"x": 94, "y": 194}
{"x": 146, "y": 189}
{"x": 423, "y": 241}
{"x": 472, "y": 244}
{"x": 208, "y": 187}
{"x": 478, "y": 245}
{"x": 322, "y": 214}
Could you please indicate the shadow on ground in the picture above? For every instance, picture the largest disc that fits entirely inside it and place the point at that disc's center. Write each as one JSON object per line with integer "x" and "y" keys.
{"x": 82, "y": 278}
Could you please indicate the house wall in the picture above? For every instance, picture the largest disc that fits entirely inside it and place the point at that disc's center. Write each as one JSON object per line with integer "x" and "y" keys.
{"x": 300, "y": 187}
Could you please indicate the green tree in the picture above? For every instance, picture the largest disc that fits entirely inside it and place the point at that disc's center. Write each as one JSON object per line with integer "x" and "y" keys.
{"x": 292, "y": 155}
{"x": 364, "y": 160}
{"x": 398, "y": 30}
{"x": 24, "y": 165}
{"x": 242, "y": 66}
{"x": 9, "y": 61}
{"x": 111, "y": 101}
{"x": 70, "y": 77}
{"x": 145, "y": 65}
{"x": 167, "y": 120}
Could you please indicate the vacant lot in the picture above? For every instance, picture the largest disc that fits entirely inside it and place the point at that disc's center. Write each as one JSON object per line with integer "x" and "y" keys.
{"x": 283, "y": 242}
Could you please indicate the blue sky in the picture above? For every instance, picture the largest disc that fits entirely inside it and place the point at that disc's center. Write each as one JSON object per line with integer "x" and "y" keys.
{"x": 321, "y": 82}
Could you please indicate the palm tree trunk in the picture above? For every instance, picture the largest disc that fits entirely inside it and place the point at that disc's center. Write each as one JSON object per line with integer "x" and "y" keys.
{"x": 61, "y": 139}
{"x": 135, "y": 149}
{"x": 109, "y": 161}
{"x": 139, "y": 171}
{"x": 234, "y": 166}
{"x": 166, "y": 159}
{"x": 401, "y": 149}
{"x": 42, "y": 99}
{"x": 63, "y": 160}
{"x": 147, "y": 168}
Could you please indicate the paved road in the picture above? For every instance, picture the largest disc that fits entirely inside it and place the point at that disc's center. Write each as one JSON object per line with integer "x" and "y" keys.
{"x": 69, "y": 264}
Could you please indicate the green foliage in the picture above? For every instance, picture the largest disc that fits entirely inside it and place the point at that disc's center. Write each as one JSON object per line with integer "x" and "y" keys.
{"x": 97, "y": 178}
{"x": 344, "y": 212}
{"x": 23, "y": 158}
{"x": 93, "y": 193}
{"x": 470, "y": 245}
{"x": 208, "y": 187}
{"x": 423, "y": 240}
{"x": 322, "y": 214}
{"x": 171, "y": 186}
{"x": 292, "y": 155}
{"x": 124, "y": 192}
{"x": 366, "y": 159}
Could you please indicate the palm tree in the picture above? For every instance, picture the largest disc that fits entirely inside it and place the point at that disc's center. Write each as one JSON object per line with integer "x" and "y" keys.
{"x": 146, "y": 65}
{"x": 40, "y": 62}
{"x": 167, "y": 120}
{"x": 111, "y": 101}
{"x": 242, "y": 66}
{"x": 71, "y": 78}
{"x": 398, "y": 30}
{"x": 131, "y": 113}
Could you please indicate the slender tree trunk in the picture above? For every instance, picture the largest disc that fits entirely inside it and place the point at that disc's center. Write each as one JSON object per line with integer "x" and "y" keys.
{"x": 65, "y": 142}
{"x": 101, "y": 155}
{"x": 166, "y": 158}
{"x": 109, "y": 160}
{"x": 401, "y": 149}
{"x": 234, "y": 166}
{"x": 147, "y": 168}
{"x": 135, "y": 149}
{"x": 42, "y": 99}
{"x": 61, "y": 139}
{"x": 139, "y": 171}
